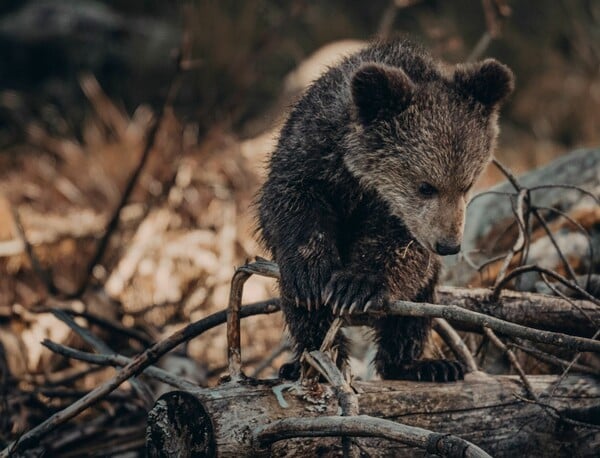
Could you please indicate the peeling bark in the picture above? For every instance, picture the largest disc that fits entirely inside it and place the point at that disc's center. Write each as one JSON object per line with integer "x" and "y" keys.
{"x": 482, "y": 409}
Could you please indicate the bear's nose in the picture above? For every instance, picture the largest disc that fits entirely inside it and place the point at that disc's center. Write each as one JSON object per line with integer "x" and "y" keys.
{"x": 446, "y": 249}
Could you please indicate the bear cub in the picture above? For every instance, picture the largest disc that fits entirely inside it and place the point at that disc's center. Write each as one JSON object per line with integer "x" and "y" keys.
{"x": 366, "y": 189}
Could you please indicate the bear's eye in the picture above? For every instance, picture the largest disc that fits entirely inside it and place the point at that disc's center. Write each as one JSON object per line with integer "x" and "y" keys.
{"x": 427, "y": 190}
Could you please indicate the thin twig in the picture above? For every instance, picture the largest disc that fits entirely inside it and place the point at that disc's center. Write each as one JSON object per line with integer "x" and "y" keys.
{"x": 565, "y": 186}
{"x": 120, "y": 361}
{"x": 487, "y": 193}
{"x": 455, "y": 342}
{"x": 45, "y": 275}
{"x": 569, "y": 366}
{"x": 64, "y": 377}
{"x": 507, "y": 173}
{"x": 571, "y": 302}
{"x": 92, "y": 318}
{"x": 140, "y": 388}
{"x": 68, "y": 393}
{"x": 89, "y": 338}
{"x": 347, "y": 399}
{"x": 523, "y": 237}
{"x": 583, "y": 231}
{"x": 533, "y": 268}
{"x": 556, "y": 414}
{"x": 562, "y": 257}
{"x": 555, "y": 361}
{"x": 515, "y": 183}
{"x": 513, "y": 360}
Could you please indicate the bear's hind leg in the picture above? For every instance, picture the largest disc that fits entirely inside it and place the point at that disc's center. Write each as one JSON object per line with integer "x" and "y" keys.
{"x": 401, "y": 342}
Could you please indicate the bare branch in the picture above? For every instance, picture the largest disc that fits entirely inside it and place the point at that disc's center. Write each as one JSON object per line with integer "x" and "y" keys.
{"x": 234, "y": 352}
{"x": 137, "y": 365}
{"x": 553, "y": 360}
{"x": 532, "y": 268}
{"x": 513, "y": 360}
{"x": 120, "y": 361}
{"x": 513, "y": 180}
{"x": 347, "y": 398}
{"x": 366, "y": 426}
{"x": 454, "y": 313}
{"x": 523, "y": 238}
{"x": 455, "y": 342}
{"x": 578, "y": 317}
{"x": 111, "y": 325}
{"x": 584, "y": 232}
{"x": 45, "y": 275}
{"x": 140, "y": 388}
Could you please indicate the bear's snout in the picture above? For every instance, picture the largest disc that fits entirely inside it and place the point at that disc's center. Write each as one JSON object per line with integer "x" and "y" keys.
{"x": 445, "y": 249}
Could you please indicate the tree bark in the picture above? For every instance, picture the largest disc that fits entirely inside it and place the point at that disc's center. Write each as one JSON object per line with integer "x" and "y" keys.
{"x": 484, "y": 410}
{"x": 539, "y": 311}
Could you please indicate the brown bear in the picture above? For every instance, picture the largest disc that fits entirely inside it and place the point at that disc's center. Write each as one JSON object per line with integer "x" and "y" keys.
{"x": 368, "y": 186}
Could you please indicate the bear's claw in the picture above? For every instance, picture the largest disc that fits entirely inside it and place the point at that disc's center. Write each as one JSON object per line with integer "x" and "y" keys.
{"x": 353, "y": 293}
{"x": 303, "y": 282}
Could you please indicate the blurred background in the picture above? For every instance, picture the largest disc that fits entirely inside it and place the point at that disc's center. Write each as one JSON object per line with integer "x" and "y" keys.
{"x": 191, "y": 95}
{"x": 242, "y": 52}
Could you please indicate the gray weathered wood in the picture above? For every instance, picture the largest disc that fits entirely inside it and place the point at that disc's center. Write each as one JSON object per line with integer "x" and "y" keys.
{"x": 483, "y": 410}
{"x": 579, "y": 168}
{"x": 528, "y": 309}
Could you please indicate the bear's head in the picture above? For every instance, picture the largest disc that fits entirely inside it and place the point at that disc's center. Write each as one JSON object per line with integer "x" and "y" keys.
{"x": 421, "y": 145}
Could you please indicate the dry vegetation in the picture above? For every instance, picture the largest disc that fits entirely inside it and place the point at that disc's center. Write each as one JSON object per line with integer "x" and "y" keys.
{"x": 189, "y": 222}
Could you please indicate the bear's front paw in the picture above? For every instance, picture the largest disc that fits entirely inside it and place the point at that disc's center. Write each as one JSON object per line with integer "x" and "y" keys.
{"x": 348, "y": 292}
{"x": 304, "y": 282}
{"x": 434, "y": 370}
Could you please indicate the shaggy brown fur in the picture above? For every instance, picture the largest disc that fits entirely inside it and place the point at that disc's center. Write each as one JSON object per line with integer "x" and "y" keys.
{"x": 368, "y": 185}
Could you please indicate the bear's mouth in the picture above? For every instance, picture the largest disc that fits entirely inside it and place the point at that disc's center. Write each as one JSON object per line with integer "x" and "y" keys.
{"x": 428, "y": 247}
{"x": 423, "y": 244}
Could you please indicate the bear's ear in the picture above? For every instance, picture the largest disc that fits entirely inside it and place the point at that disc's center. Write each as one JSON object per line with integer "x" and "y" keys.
{"x": 488, "y": 82}
{"x": 380, "y": 90}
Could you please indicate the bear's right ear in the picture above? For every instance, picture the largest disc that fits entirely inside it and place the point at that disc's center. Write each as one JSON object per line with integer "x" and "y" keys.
{"x": 380, "y": 90}
{"x": 488, "y": 82}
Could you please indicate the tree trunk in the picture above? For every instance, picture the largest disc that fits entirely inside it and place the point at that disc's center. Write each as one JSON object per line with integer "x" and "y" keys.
{"x": 483, "y": 410}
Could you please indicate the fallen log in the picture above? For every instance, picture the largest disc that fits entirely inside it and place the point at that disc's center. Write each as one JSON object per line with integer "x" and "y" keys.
{"x": 490, "y": 412}
{"x": 539, "y": 311}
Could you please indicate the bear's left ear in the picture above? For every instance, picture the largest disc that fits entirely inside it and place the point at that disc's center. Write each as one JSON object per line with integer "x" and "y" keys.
{"x": 488, "y": 82}
{"x": 379, "y": 91}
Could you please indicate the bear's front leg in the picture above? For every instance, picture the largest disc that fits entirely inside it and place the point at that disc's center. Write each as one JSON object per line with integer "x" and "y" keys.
{"x": 306, "y": 269}
{"x": 307, "y": 329}
{"x": 305, "y": 272}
